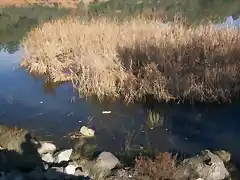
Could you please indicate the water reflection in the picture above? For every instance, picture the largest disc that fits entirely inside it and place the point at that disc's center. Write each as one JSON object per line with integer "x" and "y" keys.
{"x": 15, "y": 22}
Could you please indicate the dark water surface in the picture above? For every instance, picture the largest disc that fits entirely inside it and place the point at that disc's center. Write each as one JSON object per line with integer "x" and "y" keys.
{"x": 27, "y": 102}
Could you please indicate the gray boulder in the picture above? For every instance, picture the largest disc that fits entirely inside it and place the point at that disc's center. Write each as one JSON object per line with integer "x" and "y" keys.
{"x": 207, "y": 166}
{"x": 107, "y": 161}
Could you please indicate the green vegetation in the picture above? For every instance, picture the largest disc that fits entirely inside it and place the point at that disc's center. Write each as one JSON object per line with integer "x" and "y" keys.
{"x": 167, "y": 9}
{"x": 16, "y": 22}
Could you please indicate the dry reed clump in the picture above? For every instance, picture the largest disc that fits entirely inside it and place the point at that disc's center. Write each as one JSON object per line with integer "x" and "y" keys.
{"x": 136, "y": 58}
{"x": 164, "y": 167}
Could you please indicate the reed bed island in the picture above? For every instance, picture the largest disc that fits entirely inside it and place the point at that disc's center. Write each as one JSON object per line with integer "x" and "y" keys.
{"x": 136, "y": 58}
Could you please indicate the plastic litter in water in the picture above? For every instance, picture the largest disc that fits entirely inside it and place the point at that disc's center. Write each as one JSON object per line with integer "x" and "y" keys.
{"x": 229, "y": 23}
{"x": 106, "y": 112}
{"x": 41, "y": 102}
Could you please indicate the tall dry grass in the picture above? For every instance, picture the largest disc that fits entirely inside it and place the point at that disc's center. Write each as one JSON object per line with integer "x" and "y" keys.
{"x": 136, "y": 58}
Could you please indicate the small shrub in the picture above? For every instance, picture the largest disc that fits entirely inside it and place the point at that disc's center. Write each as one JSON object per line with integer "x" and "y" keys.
{"x": 162, "y": 168}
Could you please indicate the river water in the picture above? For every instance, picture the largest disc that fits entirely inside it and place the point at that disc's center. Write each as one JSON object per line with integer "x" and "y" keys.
{"x": 52, "y": 113}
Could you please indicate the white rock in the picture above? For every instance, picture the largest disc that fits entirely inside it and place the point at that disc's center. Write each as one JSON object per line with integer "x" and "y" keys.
{"x": 64, "y": 155}
{"x": 107, "y": 161}
{"x": 87, "y": 131}
{"x": 46, "y": 148}
{"x": 47, "y": 158}
{"x": 70, "y": 169}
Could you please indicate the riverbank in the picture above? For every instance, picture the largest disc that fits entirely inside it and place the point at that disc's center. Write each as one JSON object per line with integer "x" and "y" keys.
{"x": 20, "y": 3}
{"x": 28, "y": 158}
{"x": 137, "y": 58}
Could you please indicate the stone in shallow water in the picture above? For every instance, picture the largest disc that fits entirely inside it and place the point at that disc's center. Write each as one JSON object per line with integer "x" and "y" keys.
{"x": 87, "y": 131}
{"x": 64, "y": 155}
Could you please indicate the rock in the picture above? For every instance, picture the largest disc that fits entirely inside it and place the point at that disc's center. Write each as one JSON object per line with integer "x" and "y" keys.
{"x": 80, "y": 173}
{"x": 54, "y": 173}
{"x": 207, "y": 166}
{"x": 87, "y": 131}
{"x": 70, "y": 169}
{"x": 224, "y": 155}
{"x": 64, "y": 155}
{"x": 107, "y": 161}
{"x": 46, "y": 148}
{"x": 74, "y": 163}
{"x": 48, "y": 158}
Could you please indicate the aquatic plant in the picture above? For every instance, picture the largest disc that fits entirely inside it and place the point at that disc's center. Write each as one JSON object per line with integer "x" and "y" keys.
{"x": 154, "y": 119}
{"x": 137, "y": 58}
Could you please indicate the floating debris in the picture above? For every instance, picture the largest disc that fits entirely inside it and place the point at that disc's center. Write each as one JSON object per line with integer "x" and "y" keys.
{"x": 106, "y": 112}
{"x": 70, "y": 114}
{"x": 41, "y": 102}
